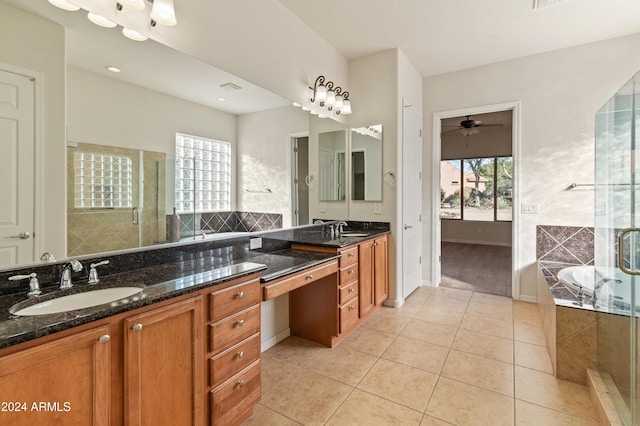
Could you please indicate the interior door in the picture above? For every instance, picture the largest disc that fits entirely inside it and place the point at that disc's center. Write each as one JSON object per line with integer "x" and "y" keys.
{"x": 17, "y": 139}
{"x": 411, "y": 200}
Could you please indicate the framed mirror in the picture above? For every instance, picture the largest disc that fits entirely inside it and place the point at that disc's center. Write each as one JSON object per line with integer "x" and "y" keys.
{"x": 366, "y": 163}
{"x": 332, "y": 148}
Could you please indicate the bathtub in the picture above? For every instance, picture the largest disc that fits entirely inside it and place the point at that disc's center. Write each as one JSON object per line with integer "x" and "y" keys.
{"x": 614, "y": 292}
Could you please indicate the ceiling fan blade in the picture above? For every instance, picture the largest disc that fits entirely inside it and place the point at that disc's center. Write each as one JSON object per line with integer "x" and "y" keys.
{"x": 451, "y": 131}
{"x": 490, "y": 125}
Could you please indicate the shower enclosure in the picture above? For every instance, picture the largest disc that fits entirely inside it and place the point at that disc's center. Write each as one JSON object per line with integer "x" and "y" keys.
{"x": 617, "y": 247}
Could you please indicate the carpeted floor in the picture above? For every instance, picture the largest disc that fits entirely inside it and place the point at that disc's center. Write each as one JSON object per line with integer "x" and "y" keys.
{"x": 485, "y": 269}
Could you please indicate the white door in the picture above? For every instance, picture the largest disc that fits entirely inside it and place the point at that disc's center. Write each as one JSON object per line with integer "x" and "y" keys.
{"x": 17, "y": 141}
{"x": 411, "y": 200}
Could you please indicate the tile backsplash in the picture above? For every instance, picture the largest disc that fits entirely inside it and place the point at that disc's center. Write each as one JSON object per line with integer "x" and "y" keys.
{"x": 232, "y": 221}
{"x": 565, "y": 244}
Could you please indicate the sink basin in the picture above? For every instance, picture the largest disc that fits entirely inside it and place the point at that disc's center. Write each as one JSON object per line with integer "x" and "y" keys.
{"x": 75, "y": 301}
{"x": 354, "y": 234}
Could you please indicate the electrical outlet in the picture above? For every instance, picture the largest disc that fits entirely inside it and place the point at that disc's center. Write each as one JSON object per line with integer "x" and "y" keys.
{"x": 323, "y": 207}
{"x": 377, "y": 208}
{"x": 255, "y": 243}
{"x": 529, "y": 208}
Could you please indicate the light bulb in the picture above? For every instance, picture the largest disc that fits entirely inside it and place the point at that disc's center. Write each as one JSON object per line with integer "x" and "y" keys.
{"x": 331, "y": 98}
{"x": 163, "y": 12}
{"x": 100, "y": 20}
{"x": 133, "y": 35}
{"x": 64, "y": 5}
{"x": 321, "y": 93}
{"x": 339, "y": 102}
{"x": 346, "y": 107}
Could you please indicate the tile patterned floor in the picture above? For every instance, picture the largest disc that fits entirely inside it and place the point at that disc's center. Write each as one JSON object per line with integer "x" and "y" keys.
{"x": 448, "y": 356}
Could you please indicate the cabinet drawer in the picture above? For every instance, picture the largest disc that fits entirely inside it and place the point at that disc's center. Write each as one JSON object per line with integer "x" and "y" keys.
{"x": 307, "y": 276}
{"x": 234, "y": 359}
{"x": 348, "y": 292}
{"x": 235, "y": 396}
{"x": 233, "y": 299}
{"x": 348, "y": 315}
{"x": 349, "y": 274}
{"x": 348, "y": 257}
{"x": 231, "y": 330}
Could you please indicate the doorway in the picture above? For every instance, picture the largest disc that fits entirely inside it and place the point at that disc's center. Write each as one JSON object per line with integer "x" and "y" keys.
{"x": 299, "y": 187}
{"x": 475, "y": 233}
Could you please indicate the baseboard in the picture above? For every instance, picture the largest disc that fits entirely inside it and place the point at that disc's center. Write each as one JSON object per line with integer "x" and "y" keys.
{"x": 530, "y": 299}
{"x": 397, "y": 303}
{"x": 478, "y": 242}
{"x": 427, "y": 283}
{"x": 275, "y": 339}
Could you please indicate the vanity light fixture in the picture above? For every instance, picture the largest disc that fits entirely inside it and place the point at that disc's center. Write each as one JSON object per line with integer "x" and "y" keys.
{"x": 133, "y": 35}
{"x": 163, "y": 13}
{"x": 326, "y": 93}
{"x": 132, "y": 4}
{"x": 100, "y": 20}
{"x": 64, "y": 5}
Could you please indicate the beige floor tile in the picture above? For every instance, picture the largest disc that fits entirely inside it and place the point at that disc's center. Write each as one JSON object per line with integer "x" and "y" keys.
{"x": 400, "y": 383}
{"x": 483, "y": 372}
{"x": 263, "y": 416}
{"x": 485, "y": 345}
{"x": 446, "y": 304}
{"x": 368, "y": 340}
{"x": 294, "y": 350}
{"x": 437, "y": 334}
{"x": 462, "y": 404}
{"x": 491, "y": 299}
{"x": 527, "y": 314}
{"x": 491, "y": 310}
{"x": 362, "y": 408}
{"x": 452, "y": 293}
{"x": 492, "y": 327}
{"x": 528, "y": 414}
{"x": 533, "y": 356}
{"x": 386, "y": 321}
{"x": 307, "y": 397}
{"x": 529, "y": 334}
{"x": 274, "y": 372}
{"x": 432, "y": 421}
{"x": 343, "y": 364}
{"x": 545, "y": 390}
{"x": 440, "y": 315}
{"x": 416, "y": 353}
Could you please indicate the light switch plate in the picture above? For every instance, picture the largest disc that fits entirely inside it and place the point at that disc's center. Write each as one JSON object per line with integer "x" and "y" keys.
{"x": 323, "y": 207}
{"x": 255, "y": 243}
{"x": 529, "y": 208}
{"x": 377, "y": 208}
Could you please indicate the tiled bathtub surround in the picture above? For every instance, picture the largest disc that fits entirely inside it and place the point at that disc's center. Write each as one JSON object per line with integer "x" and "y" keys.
{"x": 233, "y": 221}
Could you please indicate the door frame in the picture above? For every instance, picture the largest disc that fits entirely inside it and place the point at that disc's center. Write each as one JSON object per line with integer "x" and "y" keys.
{"x": 514, "y": 107}
{"x": 38, "y": 164}
{"x": 293, "y": 172}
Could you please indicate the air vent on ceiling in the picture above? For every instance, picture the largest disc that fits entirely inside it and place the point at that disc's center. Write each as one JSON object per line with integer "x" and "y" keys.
{"x": 543, "y": 4}
{"x": 230, "y": 87}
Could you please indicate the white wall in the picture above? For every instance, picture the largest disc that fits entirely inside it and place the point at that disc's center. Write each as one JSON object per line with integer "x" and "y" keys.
{"x": 559, "y": 92}
{"x": 35, "y": 44}
{"x": 264, "y": 159}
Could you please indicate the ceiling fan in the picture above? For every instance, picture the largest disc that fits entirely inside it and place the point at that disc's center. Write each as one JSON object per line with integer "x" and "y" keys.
{"x": 470, "y": 127}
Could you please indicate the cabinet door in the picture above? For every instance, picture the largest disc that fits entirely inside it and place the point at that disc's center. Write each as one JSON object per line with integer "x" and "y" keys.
{"x": 381, "y": 269}
{"x": 366, "y": 278}
{"x": 64, "y": 382}
{"x": 164, "y": 359}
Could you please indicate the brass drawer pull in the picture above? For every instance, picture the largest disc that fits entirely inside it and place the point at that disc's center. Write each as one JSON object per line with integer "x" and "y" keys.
{"x": 351, "y": 290}
{"x": 241, "y": 383}
{"x": 240, "y": 322}
{"x": 137, "y": 327}
{"x": 309, "y": 277}
{"x": 351, "y": 308}
{"x": 104, "y": 338}
{"x": 240, "y": 294}
{"x": 350, "y": 255}
{"x": 240, "y": 354}
{"x": 350, "y": 271}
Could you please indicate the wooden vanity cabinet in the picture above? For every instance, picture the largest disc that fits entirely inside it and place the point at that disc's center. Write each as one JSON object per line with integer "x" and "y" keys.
{"x": 64, "y": 381}
{"x": 234, "y": 353}
{"x": 164, "y": 360}
{"x": 381, "y": 269}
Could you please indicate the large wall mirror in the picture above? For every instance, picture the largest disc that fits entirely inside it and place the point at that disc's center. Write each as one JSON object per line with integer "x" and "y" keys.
{"x": 366, "y": 163}
{"x": 332, "y": 150}
{"x": 136, "y": 114}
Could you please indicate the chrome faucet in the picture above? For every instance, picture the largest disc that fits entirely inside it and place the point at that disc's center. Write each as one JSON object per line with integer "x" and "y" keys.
{"x": 340, "y": 227}
{"x": 93, "y": 273}
{"x": 65, "y": 275}
{"x": 318, "y": 222}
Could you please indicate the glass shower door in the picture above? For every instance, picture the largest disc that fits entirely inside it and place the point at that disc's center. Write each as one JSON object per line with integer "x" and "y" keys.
{"x": 617, "y": 247}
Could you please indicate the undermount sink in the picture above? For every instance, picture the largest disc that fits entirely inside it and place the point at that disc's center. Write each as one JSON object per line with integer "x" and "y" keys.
{"x": 353, "y": 234}
{"x": 75, "y": 301}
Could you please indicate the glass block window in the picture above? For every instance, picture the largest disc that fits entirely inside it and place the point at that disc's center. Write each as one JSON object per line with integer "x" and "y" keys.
{"x": 102, "y": 180}
{"x": 203, "y": 174}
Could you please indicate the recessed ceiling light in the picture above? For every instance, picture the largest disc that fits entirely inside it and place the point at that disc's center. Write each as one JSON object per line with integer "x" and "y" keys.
{"x": 112, "y": 68}
{"x": 222, "y": 99}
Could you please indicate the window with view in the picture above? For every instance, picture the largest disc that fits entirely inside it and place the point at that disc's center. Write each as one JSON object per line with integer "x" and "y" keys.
{"x": 203, "y": 174}
{"x": 479, "y": 189}
{"x": 101, "y": 181}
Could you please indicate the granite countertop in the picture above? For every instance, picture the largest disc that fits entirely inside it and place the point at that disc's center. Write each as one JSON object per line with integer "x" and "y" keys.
{"x": 168, "y": 280}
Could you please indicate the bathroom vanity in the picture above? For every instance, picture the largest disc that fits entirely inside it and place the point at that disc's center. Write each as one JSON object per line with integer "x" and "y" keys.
{"x": 186, "y": 349}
